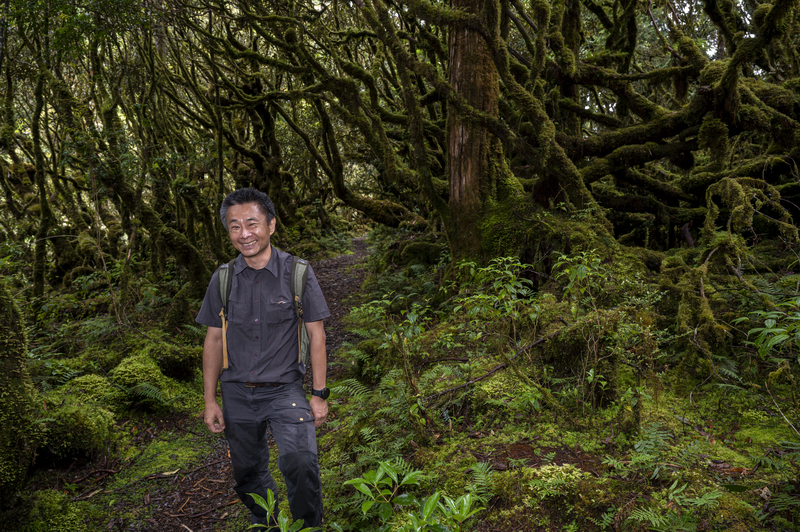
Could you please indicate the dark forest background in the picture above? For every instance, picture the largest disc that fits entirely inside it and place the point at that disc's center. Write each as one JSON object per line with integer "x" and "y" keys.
{"x": 580, "y": 308}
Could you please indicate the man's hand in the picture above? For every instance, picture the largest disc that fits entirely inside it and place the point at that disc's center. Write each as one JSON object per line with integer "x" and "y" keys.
{"x": 213, "y": 417}
{"x": 319, "y": 407}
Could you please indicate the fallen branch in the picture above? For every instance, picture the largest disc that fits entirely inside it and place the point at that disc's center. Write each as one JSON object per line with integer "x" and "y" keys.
{"x": 779, "y": 409}
{"x": 192, "y": 516}
{"x": 87, "y": 475}
{"x": 493, "y": 370}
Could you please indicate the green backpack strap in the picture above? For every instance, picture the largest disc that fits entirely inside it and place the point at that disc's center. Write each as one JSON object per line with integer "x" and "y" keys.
{"x": 225, "y": 282}
{"x": 299, "y": 278}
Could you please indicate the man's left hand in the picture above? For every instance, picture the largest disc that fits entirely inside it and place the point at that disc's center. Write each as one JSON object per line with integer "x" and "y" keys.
{"x": 319, "y": 407}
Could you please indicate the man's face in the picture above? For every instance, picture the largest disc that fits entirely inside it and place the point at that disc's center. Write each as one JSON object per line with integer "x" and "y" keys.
{"x": 249, "y": 230}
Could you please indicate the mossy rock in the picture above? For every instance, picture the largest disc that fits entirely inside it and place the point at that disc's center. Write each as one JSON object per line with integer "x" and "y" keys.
{"x": 77, "y": 429}
{"x": 50, "y": 510}
{"x": 178, "y": 362}
{"x": 137, "y": 369}
{"x": 421, "y": 253}
{"x": 94, "y": 389}
{"x": 418, "y": 249}
{"x": 18, "y": 400}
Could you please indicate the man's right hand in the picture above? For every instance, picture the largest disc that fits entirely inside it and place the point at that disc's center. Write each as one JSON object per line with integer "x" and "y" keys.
{"x": 213, "y": 418}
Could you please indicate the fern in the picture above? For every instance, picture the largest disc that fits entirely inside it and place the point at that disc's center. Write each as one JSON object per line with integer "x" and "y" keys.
{"x": 606, "y": 521}
{"x": 653, "y": 518}
{"x": 651, "y": 448}
{"x": 706, "y": 500}
{"x": 654, "y": 441}
{"x": 482, "y": 482}
{"x": 353, "y": 389}
{"x": 146, "y": 393}
{"x": 785, "y": 502}
{"x": 690, "y": 455}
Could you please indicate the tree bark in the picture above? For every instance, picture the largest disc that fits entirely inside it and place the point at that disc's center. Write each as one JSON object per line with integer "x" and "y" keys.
{"x": 473, "y": 153}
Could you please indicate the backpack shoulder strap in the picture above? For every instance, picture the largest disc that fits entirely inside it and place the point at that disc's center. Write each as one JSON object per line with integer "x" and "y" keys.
{"x": 225, "y": 282}
{"x": 299, "y": 279}
{"x": 298, "y": 288}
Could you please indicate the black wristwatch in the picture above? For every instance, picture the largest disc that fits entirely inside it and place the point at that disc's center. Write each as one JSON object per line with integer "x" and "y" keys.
{"x": 324, "y": 393}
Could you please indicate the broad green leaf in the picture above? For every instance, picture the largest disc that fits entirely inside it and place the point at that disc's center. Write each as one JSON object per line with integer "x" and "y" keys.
{"x": 405, "y": 499}
{"x": 430, "y": 505}
{"x": 385, "y": 511}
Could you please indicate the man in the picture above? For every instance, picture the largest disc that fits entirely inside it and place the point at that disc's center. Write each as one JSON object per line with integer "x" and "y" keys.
{"x": 264, "y": 383}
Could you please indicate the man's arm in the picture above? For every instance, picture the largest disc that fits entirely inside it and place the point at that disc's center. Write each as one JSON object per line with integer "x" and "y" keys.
{"x": 212, "y": 365}
{"x": 319, "y": 364}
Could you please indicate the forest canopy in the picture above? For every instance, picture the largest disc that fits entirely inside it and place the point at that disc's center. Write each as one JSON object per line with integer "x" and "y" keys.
{"x": 125, "y": 123}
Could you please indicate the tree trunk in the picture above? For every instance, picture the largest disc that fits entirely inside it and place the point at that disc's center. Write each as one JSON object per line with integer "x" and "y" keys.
{"x": 475, "y": 156}
{"x": 17, "y": 405}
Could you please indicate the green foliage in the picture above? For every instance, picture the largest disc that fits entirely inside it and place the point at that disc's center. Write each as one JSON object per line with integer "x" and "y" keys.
{"x": 780, "y": 334}
{"x": 381, "y": 498}
{"x": 679, "y": 513}
{"x": 284, "y": 521}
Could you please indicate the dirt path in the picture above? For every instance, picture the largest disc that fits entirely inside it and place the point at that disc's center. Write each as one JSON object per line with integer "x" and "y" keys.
{"x": 202, "y": 498}
{"x": 340, "y": 279}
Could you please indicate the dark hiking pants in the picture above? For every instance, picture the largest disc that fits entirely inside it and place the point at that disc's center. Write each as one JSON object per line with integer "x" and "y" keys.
{"x": 247, "y": 413}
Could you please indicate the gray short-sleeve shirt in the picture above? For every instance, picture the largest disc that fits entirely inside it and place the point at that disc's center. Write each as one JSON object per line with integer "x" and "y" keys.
{"x": 262, "y": 324}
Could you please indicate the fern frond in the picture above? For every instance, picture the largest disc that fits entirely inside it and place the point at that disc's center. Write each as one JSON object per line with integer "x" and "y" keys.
{"x": 482, "y": 481}
{"x": 352, "y": 388}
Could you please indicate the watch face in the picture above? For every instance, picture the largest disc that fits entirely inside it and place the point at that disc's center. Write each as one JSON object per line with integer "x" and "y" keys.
{"x": 324, "y": 393}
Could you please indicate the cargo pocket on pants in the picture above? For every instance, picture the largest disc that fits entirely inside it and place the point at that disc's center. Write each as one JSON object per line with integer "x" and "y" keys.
{"x": 293, "y": 428}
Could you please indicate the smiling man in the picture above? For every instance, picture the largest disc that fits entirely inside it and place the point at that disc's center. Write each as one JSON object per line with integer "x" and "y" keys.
{"x": 263, "y": 385}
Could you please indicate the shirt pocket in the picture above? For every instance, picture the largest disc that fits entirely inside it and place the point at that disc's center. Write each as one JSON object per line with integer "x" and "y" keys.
{"x": 239, "y": 308}
{"x": 279, "y": 309}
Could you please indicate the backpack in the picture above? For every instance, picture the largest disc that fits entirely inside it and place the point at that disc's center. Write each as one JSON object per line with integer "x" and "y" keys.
{"x": 298, "y": 288}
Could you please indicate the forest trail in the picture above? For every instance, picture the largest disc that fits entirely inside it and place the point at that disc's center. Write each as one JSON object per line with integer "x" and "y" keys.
{"x": 199, "y": 496}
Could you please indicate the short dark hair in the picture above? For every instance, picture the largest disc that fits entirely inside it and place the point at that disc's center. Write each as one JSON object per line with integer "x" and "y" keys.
{"x": 243, "y": 196}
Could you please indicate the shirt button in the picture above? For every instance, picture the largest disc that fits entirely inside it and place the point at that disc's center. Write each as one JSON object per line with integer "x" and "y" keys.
{"x": 256, "y": 319}
{"x": 256, "y": 337}
{"x": 256, "y": 300}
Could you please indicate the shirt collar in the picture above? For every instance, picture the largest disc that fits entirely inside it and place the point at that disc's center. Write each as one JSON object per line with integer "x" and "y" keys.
{"x": 272, "y": 266}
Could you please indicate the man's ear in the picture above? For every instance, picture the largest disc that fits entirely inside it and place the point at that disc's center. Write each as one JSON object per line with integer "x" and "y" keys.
{"x": 272, "y": 226}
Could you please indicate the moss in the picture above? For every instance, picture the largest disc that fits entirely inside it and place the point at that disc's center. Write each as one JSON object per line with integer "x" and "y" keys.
{"x": 137, "y": 369}
{"x": 76, "y": 429}
{"x": 163, "y": 457}
{"x": 178, "y": 362}
{"x": 714, "y": 137}
{"x": 96, "y": 389}
{"x": 413, "y": 249}
{"x": 51, "y": 510}
{"x": 20, "y": 433}
{"x": 421, "y": 253}
{"x": 713, "y": 72}
{"x": 178, "y": 314}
